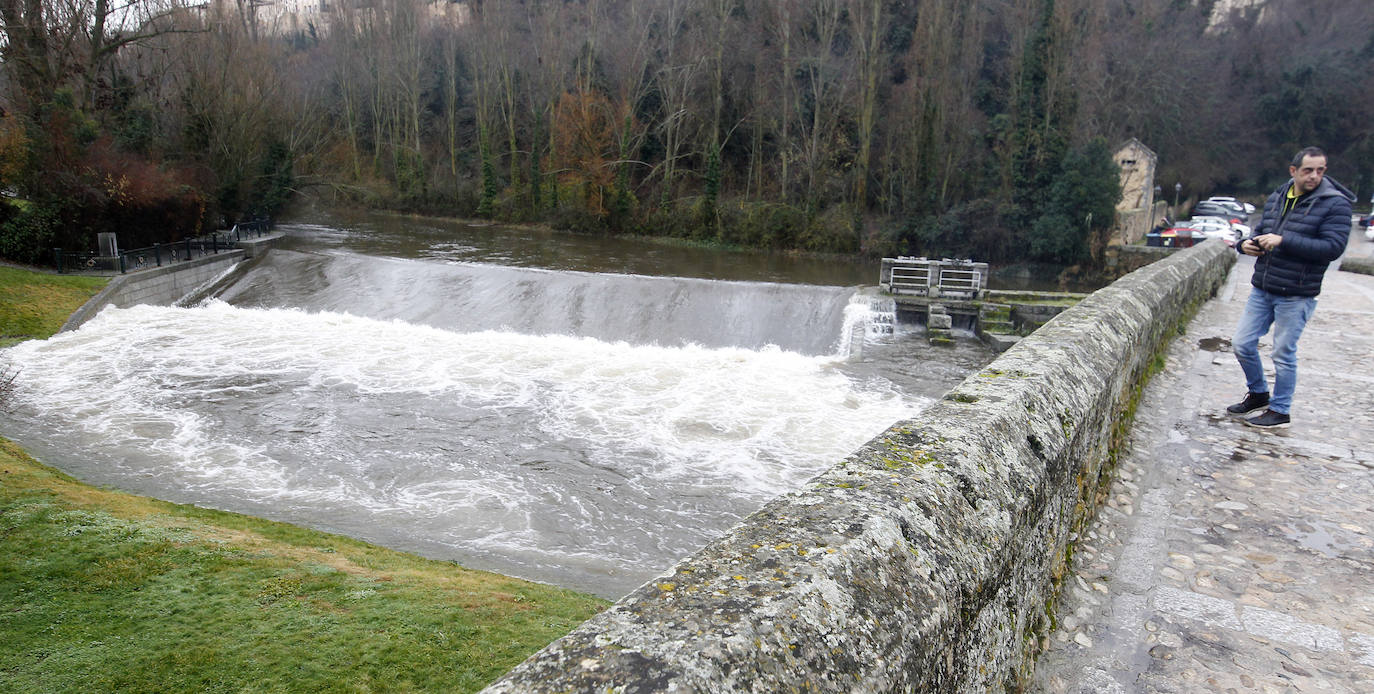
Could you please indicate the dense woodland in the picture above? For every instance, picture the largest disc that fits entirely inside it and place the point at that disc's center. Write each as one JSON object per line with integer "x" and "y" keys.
{"x": 976, "y": 128}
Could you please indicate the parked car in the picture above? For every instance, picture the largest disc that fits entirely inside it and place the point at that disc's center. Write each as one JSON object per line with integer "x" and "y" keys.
{"x": 1241, "y": 230}
{"x": 1229, "y": 210}
{"x": 1245, "y": 208}
{"x": 1177, "y": 236}
{"x": 1224, "y": 210}
{"x": 1215, "y": 228}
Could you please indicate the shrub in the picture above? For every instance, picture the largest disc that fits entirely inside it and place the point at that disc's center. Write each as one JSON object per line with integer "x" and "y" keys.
{"x": 143, "y": 201}
{"x": 577, "y": 218}
{"x": 29, "y": 236}
{"x": 762, "y": 225}
{"x": 671, "y": 220}
{"x": 972, "y": 230}
{"x": 830, "y": 231}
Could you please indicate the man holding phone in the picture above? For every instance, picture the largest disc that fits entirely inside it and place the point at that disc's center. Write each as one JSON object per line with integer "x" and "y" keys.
{"x": 1305, "y": 226}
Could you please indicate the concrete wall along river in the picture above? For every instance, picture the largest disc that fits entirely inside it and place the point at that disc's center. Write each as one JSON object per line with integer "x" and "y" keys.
{"x": 165, "y": 285}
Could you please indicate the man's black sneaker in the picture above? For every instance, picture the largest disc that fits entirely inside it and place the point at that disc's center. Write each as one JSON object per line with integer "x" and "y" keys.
{"x": 1252, "y": 402}
{"x": 1269, "y": 420}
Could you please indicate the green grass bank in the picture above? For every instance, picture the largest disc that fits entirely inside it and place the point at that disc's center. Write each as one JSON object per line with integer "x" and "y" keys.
{"x": 103, "y": 591}
{"x": 34, "y": 304}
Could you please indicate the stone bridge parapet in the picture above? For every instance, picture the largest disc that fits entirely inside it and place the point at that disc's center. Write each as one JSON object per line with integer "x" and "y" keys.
{"x": 927, "y": 559}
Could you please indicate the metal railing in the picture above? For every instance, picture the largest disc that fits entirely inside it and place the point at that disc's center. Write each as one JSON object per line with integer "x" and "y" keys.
{"x": 255, "y": 227}
{"x": 962, "y": 279}
{"x": 961, "y": 283}
{"x": 911, "y": 279}
{"x": 160, "y": 254}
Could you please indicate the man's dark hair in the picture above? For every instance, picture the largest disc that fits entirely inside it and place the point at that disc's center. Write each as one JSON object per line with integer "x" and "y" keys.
{"x": 1307, "y": 152}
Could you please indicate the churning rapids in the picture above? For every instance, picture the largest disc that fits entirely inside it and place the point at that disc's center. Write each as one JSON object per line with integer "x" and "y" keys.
{"x": 584, "y": 429}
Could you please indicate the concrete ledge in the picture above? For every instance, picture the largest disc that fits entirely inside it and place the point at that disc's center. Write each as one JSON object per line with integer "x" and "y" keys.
{"x": 925, "y": 561}
{"x": 1363, "y": 266}
{"x": 998, "y": 342}
{"x": 159, "y": 286}
{"x": 257, "y": 246}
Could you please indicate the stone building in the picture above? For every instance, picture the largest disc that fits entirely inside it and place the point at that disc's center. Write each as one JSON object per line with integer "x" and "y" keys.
{"x": 1135, "y": 212}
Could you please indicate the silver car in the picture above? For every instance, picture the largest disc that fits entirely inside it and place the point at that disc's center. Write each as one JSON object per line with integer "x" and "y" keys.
{"x": 1218, "y": 228}
{"x": 1244, "y": 209}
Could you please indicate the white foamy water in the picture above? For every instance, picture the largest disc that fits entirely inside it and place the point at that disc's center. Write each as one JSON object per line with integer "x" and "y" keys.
{"x": 577, "y": 461}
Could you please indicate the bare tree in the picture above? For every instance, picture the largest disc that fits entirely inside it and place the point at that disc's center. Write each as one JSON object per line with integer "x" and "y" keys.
{"x": 945, "y": 59}
{"x": 825, "y": 84}
{"x": 675, "y": 79}
{"x": 52, "y": 44}
{"x": 627, "y": 51}
{"x": 784, "y": 21}
{"x": 868, "y": 18}
{"x": 554, "y": 53}
{"x": 229, "y": 87}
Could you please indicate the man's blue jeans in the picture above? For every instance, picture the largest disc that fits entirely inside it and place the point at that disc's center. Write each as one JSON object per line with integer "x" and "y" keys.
{"x": 1288, "y": 315}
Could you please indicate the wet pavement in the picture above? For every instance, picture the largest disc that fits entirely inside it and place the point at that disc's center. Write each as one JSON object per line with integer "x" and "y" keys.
{"x": 1228, "y": 558}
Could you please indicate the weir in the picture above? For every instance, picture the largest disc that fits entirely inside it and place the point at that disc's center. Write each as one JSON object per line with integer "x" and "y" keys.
{"x": 406, "y": 402}
{"x": 463, "y": 297}
{"x": 928, "y": 560}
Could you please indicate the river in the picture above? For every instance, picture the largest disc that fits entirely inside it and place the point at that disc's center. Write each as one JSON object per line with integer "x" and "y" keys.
{"x": 576, "y": 410}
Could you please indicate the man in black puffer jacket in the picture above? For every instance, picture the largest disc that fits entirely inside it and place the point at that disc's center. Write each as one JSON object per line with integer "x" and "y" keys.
{"x": 1305, "y": 226}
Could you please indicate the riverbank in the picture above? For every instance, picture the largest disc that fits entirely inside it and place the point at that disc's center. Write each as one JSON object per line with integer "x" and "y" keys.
{"x": 632, "y": 253}
{"x": 33, "y": 304}
{"x": 351, "y": 214}
{"x": 107, "y": 591}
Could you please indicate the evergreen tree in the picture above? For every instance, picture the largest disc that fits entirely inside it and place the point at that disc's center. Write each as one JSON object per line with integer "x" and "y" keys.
{"x": 1079, "y": 206}
{"x": 1042, "y": 126}
{"x": 709, "y": 214}
{"x": 487, "y": 204}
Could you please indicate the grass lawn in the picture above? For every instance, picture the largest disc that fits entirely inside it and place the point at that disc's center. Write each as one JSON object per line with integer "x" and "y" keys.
{"x": 102, "y": 591}
{"x": 35, "y": 304}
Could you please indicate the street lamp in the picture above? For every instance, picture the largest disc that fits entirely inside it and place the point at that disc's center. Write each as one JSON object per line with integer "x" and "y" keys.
{"x": 1178, "y": 187}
